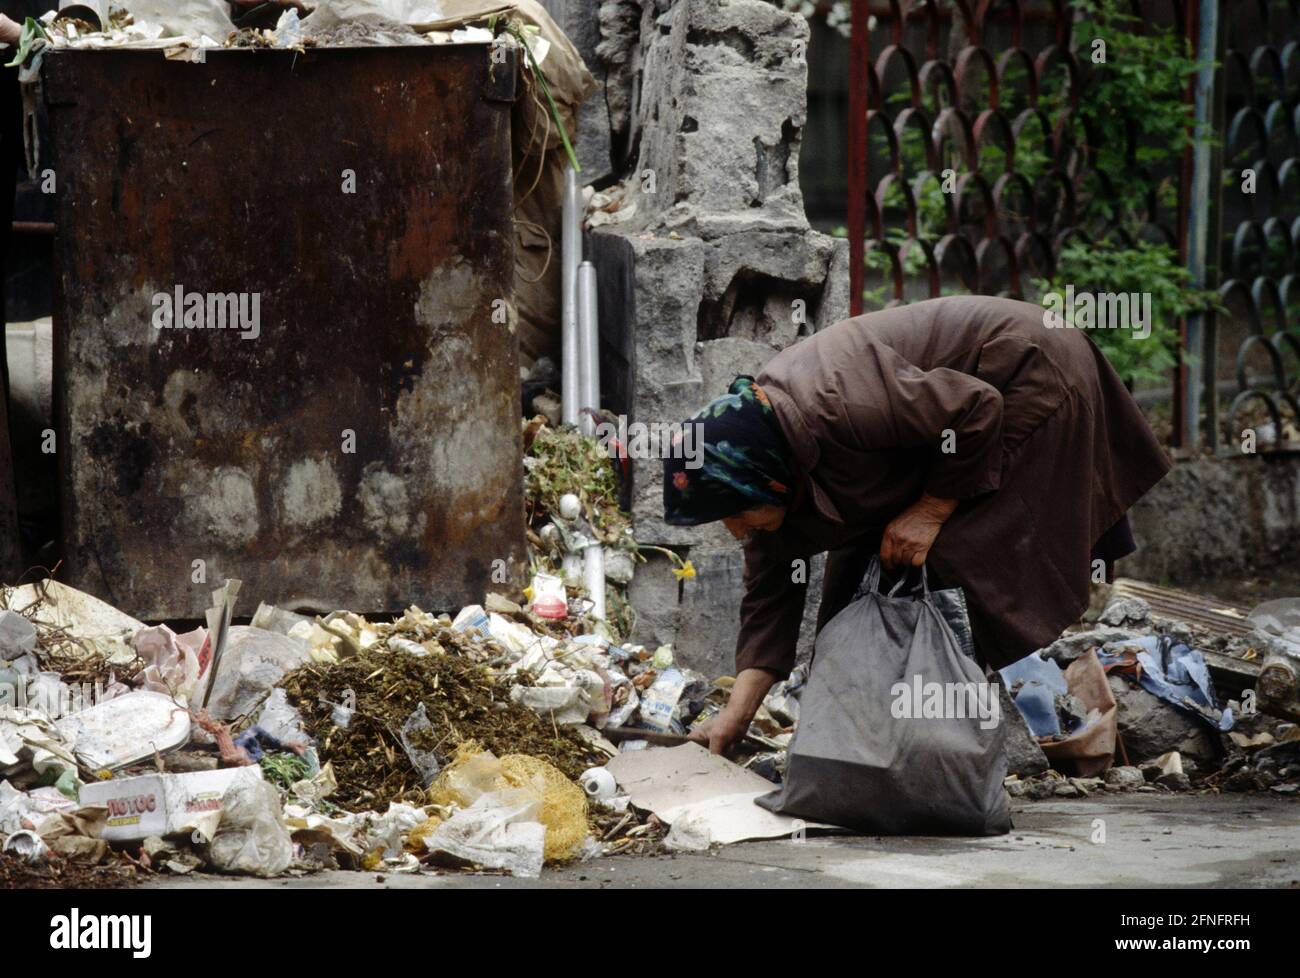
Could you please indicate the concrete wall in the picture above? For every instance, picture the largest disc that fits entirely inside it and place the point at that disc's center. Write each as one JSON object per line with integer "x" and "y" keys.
{"x": 579, "y": 20}
{"x": 1214, "y": 518}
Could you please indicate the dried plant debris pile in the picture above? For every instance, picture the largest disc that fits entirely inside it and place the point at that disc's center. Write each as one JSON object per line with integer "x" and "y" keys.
{"x": 62, "y": 873}
{"x": 77, "y": 659}
{"x": 463, "y": 703}
{"x": 561, "y": 461}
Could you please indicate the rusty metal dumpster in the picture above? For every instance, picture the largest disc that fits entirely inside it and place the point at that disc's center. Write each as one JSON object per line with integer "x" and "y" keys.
{"x": 280, "y": 352}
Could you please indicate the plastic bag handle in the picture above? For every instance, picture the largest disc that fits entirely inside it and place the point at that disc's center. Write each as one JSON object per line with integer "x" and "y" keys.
{"x": 871, "y": 580}
{"x": 925, "y": 582}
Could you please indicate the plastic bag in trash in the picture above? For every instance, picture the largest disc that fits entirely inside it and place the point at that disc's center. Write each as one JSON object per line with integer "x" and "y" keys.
{"x": 29, "y": 738}
{"x": 252, "y": 837}
{"x": 563, "y": 805}
{"x": 171, "y": 661}
{"x": 385, "y": 833}
{"x": 17, "y": 635}
{"x": 660, "y": 701}
{"x": 254, "y": 661}
{"x": 185, "y": 18}
{"x": 500, "y": 831}
{"x": 1171, "y": 670}
{"x": 31, "y": 809}
{"x": 418, "y": 727}
{"x": 1034, "y": 684}
{"x": 566, "y": 705}
{"x": 281, "y": 719}
{"x": 288, "y": 30}
{"x": 626, "y": 702}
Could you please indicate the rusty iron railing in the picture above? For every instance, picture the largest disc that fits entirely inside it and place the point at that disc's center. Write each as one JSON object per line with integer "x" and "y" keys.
{"x": 964, "y": 82}
{"x": 1255, "y": 351}
{"x": 968, "y": 108}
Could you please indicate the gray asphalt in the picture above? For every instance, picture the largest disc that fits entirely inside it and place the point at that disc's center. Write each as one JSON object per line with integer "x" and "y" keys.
{"x": 1142, "y": 840}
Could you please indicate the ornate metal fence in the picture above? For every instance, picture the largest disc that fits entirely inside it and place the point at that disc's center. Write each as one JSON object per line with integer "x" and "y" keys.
{"x": 1254, "y": 355}
{"x": 970, "y": 168}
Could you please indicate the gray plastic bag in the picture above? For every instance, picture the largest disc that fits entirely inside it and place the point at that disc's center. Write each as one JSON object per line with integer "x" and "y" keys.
{"x": 899, "y": 732}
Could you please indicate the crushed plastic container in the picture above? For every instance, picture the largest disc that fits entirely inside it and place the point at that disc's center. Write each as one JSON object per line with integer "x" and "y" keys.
{"x": 126, "y": 729}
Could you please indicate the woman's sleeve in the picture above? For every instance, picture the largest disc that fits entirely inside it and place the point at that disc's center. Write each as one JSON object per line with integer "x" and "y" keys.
{"x": 955, "y": 416}
{"x": 771, "y": 610}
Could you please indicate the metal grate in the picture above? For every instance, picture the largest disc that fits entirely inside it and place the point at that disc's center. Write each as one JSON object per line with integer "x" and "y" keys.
{"x": 1218, "y": 617}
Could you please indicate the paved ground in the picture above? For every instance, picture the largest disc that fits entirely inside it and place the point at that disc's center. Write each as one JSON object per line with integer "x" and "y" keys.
{"x": 1149, "y": 840}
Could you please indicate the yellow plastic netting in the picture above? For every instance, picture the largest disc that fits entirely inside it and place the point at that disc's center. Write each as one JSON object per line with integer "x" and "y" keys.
{"x": 563, "y": 808}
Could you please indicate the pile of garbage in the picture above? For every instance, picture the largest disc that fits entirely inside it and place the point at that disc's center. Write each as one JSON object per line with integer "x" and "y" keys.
{"x": 206, "y": 24}
{"x": 387, "y": 710}
{"x": 1143, "y": 687}
{"x": 578, "y": 534}
{"x": 496, "y": 739}
{"x": 297, "y": 743}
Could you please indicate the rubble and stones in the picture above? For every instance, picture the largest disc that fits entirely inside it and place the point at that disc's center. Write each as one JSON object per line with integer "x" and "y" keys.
{"x": 1150, "y": 727}
{"x": 1025, "y": 757}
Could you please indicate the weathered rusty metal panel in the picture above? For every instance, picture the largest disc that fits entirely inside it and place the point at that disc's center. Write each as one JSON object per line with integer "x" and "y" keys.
{"x": 10, "y": 541}
{"x": 360, "y": 448}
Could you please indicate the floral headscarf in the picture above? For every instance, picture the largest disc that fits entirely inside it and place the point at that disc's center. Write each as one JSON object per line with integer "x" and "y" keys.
{"x": 745, "y": 460}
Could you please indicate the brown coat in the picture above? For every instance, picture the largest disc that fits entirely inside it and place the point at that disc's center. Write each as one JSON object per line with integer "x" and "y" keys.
{"x": 1047, "y": 450}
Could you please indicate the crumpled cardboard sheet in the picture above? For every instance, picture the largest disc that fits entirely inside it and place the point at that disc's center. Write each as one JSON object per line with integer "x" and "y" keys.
{"x": 706, "y": 792}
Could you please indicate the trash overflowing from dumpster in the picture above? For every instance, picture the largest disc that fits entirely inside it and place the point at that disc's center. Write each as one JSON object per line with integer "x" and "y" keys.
{"x": 470, "y": 737}
{"x": 525, "y": 730}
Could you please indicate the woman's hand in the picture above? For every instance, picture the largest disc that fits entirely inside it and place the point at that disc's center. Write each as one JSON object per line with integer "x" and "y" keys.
{"x": 719, "y": 732}
{"x": 731, "y": 723}
{"x": 911, "y": 534}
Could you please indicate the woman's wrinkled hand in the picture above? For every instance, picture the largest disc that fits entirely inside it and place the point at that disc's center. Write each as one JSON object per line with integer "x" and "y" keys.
{"x": 908, "y": 538}
{"x": 721, "y": 731}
